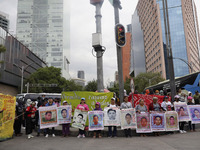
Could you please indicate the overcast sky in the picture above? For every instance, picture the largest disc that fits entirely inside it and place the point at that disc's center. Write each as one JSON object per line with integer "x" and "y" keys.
{"x": 82, "y": 21}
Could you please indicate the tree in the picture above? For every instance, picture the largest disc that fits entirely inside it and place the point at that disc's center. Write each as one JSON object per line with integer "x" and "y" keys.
{"x": 51, "y": 75}
{"x": 91, "y": 86}
{"x": 144, "y": 80}
{"x": 115, "y": 89}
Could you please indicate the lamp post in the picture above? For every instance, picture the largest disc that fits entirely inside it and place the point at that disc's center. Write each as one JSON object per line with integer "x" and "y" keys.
{"x": 22, "y": 69}
{"x": 189, "y": 64}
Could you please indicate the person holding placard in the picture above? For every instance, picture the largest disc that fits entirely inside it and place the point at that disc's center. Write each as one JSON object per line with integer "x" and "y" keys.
{"x": 191, "y": 126}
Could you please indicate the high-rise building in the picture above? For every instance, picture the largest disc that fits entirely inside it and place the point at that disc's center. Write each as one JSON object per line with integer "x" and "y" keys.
{"x": 126, "y": 51}
{"x": 43, "y": 26}
{"x": 4, "y": 22}
{"x": 149, "y": 20}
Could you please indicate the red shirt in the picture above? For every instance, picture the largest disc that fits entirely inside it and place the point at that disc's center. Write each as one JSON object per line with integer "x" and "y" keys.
{"x": 31, "y": 111}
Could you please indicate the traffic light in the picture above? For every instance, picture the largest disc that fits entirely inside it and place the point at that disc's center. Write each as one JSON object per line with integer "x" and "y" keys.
{"x": 120, "y": 35}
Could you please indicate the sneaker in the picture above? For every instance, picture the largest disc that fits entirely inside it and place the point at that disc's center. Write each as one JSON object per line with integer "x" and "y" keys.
{"x": 184, "y": 131}
{"x": 83, "y": 136}
{"x": 181, "y": 131}
{"x": 46, "y": 135}
{"x": 79, "y": 136}
{"x": 53, "y": 135}
{"x": 29, "y": 136}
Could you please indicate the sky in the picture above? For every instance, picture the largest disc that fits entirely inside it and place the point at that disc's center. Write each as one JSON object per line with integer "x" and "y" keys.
{"x": 82, "y": 25}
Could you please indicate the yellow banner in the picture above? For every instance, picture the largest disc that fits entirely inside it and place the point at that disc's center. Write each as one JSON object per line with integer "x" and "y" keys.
{"x": 7, "y": 115}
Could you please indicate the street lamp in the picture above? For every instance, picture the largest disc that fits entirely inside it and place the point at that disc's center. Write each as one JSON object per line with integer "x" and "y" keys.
{"x": 189, "y": 64}
{"x": 22, "y": 69}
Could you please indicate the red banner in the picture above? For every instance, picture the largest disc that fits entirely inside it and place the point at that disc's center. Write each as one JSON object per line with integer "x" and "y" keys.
{"x": 147, "y": 99}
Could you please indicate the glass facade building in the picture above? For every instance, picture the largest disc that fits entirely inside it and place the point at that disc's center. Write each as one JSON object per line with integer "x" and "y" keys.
{"x": 43, "y": 26}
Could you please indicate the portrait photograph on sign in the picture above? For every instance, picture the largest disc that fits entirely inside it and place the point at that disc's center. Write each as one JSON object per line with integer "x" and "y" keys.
{"x": 171, "y": 121}
{"x": 194, "y": 113}
{"x": 79, "y": 119}
{"x": 182, "y": 110}
{"x": 157, "y": 121}
{"x": 95, "y": 120}
{"x": 128, "y": 119}
{"x": 143, "y": 123}
{"x": 111, "y": 116}
{"x": 64, "y": 114}
{"x": 48, "y": 117}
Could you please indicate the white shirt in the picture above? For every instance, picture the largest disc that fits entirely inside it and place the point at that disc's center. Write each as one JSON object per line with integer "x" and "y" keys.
{"x": 165, "y": 104}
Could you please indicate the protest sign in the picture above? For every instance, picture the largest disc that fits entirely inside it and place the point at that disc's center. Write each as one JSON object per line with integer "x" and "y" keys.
{"x": 48, "y": 116}
{"x": 128, "y": 118}
{"x": 182, "y": 110}
{"x": 171, "y": 121}
{"x": 143, "y": 122}
{"x": 157, "y": 121}
{"x": 79, "y": 119}
{"x": 95, "y": 120}
{"x": 7, "y": 116}
{"x": 64, "y": 114}
{"x": 194, "y": 113}
{"x": 111, "y": 116}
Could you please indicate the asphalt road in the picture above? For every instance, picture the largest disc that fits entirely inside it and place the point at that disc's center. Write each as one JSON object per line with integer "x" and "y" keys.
{"x": 188, "y": 141}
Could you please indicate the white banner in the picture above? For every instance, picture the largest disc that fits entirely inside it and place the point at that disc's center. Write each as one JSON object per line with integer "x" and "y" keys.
{"x": 79, "y": 119}
{"x": 48, "y": 116}
{"x": 171, "y": 121}
{"x": 64, "y": 114}
{"x": 128, "y": 119}
{"x": 111, "y": 116}
{"x": 182, "y": 110}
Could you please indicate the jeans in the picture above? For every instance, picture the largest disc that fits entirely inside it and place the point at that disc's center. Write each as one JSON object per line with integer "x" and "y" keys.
{"x": 65, "y": 128}
{"x": 112, "y": 132}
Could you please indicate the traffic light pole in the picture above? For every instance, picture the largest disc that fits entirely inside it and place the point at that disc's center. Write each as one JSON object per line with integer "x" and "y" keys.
{"x": 119, "y": 55}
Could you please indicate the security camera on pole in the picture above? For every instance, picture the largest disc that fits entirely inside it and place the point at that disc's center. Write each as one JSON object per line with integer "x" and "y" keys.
{"x": 97, "y": 44}
{"x": 120, "y": 42}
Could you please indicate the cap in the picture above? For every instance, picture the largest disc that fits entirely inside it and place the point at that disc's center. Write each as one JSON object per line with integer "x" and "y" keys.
{"x": 166, "y": 97}
{"x": 64, "y": 102}
{"x": 155, "y": 98}
{"x": 189, "y": 97}
{"x": 83, "y": 98}
{"x": 112, "y": 98}
{"x": 176, "y": 96}
{"x": 196, "y": 91}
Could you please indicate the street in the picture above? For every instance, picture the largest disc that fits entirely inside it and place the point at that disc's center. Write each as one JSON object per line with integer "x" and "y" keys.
{"x": 188, "y": 141}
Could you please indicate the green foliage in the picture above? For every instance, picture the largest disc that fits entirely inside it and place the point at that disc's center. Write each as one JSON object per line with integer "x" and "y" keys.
{"x": 115, "y": 89}
{"x": 91, "y": 86}
{"x": 2, "y": 48}
{"x": 51, "y": 75}
{"x": 144, "y": 80}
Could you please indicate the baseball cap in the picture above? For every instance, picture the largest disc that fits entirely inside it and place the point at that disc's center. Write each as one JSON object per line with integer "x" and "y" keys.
{"x": 112, "y": 98}
{"x": 166, "y": 97}
{"x": 177, "y": 96}
{"x": 64, "y": 102}
{"x": 83, "y": 98}
{"x": 189, "y": 97}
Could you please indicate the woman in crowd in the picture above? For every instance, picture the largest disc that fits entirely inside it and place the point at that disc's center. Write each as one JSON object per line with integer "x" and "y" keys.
{"x": 112, "y": 133}
{"x": 83, "y": 107}
{"x": 141, "y": 107}
{"x": 30, "y": 114}
{"x": 97, "y": 108}
{"x": 126, "y": 105}
{"x": 49, "y": 115}
{"x": 191, "y": 126}
{"x": 166, "y": 105}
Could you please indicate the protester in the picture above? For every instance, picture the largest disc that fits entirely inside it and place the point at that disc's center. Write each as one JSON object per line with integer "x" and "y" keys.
{"x": 196, "y": 98}
{"x": 83, "y": 107}
{"x": 97, "y": 108}
{"x": 181, "y": 124}
{"x": 126, "y": 105}
{"x": 154, "y": 106}
{"x": 139, "y": 109}
{"x": 30, "y": 111}
{"x": 112, "y": 133}
{"x": 43, "y": 105}
{"x": 65, "y": 126}
{"x": 47, "y": 130}
{"x": 157, "y": 92}
{"x": 166, "y": 105}
{"x": 191, "y": 126}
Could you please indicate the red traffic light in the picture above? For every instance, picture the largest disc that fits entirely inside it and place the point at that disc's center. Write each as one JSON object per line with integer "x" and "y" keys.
{"x": 120, "y": 35}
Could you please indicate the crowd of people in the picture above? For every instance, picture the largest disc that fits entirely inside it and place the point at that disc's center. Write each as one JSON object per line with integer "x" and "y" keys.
{"x": 29, "y": 113}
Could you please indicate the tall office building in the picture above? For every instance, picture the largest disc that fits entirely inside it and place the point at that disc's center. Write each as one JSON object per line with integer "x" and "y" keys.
{"x": 148, "y": 18}
{"x": 126, "y": 51}
{"x": 4, "y": 22}
{"x": 43, "y": 26}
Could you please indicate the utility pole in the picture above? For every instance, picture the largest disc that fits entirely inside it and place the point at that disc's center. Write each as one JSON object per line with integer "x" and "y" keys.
{"x": 117, "y": 6}
{"x": 169, "y": 50}
{"x": 97, "y": 44}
